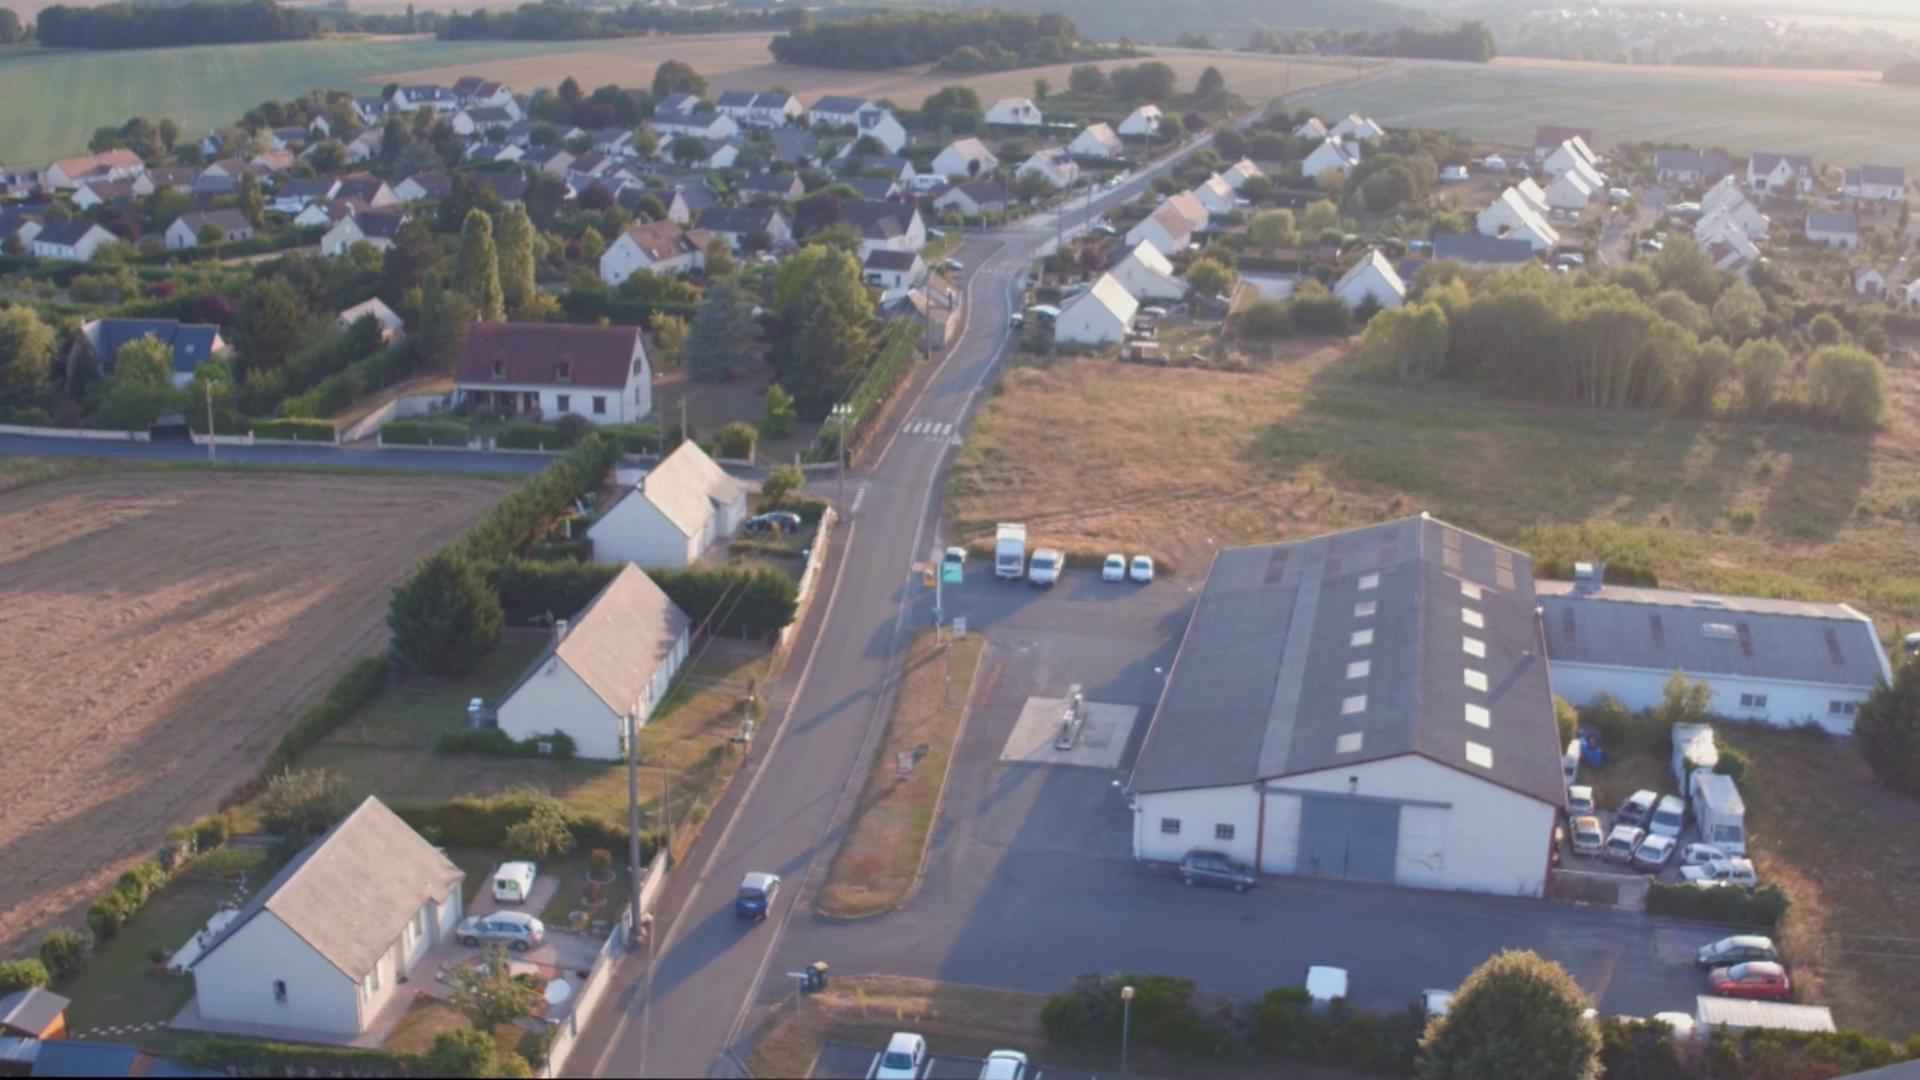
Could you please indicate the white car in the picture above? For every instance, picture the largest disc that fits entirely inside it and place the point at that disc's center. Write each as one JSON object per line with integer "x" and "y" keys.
{"x": 1004, "y": 1065}
{"x": 1579, "y": 800}
{"x": 1142, "y": 569}
{"x": 1115, "y": 568}
{"x": 1654, "y": 852}
{"x": 1154, "y": 311}
{"x": 1701, "y": 854}
{"x": 954, "y": 266}
{"x": 1731, "y": 871}
{"x": 1045, "y": 566}
{"x": 1622, "y": 841}
{"x": 904, "y": 1059}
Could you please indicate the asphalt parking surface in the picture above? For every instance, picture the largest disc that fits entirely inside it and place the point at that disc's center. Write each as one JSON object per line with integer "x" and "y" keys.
{"x": 847, "y": 1061}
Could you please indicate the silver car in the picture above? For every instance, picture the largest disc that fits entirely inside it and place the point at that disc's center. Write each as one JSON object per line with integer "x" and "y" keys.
{"x": 517, "y": 930}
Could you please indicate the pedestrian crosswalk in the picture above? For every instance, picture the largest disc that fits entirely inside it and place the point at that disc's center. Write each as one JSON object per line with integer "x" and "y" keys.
{"x": 927, "y": 429}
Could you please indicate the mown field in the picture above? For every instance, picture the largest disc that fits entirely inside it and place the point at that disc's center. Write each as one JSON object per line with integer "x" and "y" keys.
{"x": 1830, "y": 120}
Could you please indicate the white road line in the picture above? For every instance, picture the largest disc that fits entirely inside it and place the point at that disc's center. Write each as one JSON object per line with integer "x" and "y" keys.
{"x": 859, "y": 496}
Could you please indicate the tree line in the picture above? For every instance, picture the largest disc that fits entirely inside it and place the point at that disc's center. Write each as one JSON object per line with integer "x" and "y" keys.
{"x": 1471, "y": 41}
{"x": 197, "y": 22}
{"x": 996, "y": 39}
{"x": 559, "y": 20}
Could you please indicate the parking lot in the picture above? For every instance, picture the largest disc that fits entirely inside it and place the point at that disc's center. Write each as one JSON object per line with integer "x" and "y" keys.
{"x": 846, "y": 1061}
{"x": 1031, "y": 880}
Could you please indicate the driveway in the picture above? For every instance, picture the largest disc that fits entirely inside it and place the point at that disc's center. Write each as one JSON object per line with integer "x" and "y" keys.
{"x": 1031, "y": 880}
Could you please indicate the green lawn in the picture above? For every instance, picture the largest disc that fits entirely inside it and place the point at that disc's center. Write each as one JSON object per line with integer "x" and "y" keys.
{"x": 1842, "y": 124}
{"x": 56, "y": 98}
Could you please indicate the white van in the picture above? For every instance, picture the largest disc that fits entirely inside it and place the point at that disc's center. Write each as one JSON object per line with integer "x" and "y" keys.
{"x": 513, "y": 882}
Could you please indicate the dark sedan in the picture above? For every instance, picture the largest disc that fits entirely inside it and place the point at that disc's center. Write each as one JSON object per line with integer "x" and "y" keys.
{"x": 1213, "y": 868}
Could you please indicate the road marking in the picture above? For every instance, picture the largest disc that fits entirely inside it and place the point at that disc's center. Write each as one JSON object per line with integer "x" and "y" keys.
{"x": 859, "y": 496}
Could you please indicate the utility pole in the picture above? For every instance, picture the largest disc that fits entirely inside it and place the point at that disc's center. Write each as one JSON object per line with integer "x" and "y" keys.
{"x": 208, "y": 385}
{"x": 633, "y": 822}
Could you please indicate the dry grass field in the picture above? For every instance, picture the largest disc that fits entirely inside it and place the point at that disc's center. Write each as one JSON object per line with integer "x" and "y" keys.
{"x": 742, "y": 62}
{"x": 161, "y": 630}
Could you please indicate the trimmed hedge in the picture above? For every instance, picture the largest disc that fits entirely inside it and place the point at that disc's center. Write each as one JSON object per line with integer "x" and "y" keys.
{"x": 634, "y": 438}
{"x": 530, "y": 437}
{"x": 810, "y": 510}
{"x": 1089, "y": 1013}
{"x": 354, "y": 689}
{"x": 342, "y": 388}
{"x": 515, "y": 520}
{"x": 732, "y": 600}
{"x": 499, "y": 743}
{"x": 296, "y": 428}
{"x": 531, "y": 590}
{"x": 1763, "y": 907}
{"x": 426, "y": 433}
{"x": 475, "y": 821}
{"x": 247, "y": 1057}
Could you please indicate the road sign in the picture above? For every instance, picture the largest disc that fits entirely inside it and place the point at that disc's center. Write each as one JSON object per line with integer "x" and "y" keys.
{"x": 960, "y": 626}
{"x": 951, "y": 573}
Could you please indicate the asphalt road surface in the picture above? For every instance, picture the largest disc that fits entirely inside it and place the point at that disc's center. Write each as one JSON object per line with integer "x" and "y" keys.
{"x": 690, "y": 1004}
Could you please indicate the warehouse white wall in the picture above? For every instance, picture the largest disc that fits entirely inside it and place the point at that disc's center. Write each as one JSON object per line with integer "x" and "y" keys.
{"x": 1198, "y": 810}
{"x": 1788, "y": 703}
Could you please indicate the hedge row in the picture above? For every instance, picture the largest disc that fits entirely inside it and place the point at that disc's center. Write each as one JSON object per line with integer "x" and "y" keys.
{"x": 354, "y": 689}
{"x": 544, "y": 436}
{"x": 296, "y": 428}
{"x": 247, "y": 1057}
{"x": 1763, "y": 907}
{"x": 515, "y": 520}
{"x": 559, "y": 745}
{"x": 531, "y": 590}
{"x": 426, "y": 433}
{"x": 129, "y": 894}
{"x": 1645, "y": 1049}
{"x": 362, "y": 377}
{"x": 476, "y": 821}
{"x": 736, "y": 601}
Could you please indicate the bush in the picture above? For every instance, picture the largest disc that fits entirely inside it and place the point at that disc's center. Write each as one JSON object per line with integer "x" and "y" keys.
{"x": 1320, "y": 314}
{"x": 426, "y": 433}
{"x": 530, "y": 590}
{"x": 516, "y": 520}
{"x": 445, "y": 617}
{"x": 736, "y": 441}
{"x": 783, "y": 480}
{"x": 560, "y": 745}
{"x": 65, "y": 951}
{"x": 1265, "y": 320}
{"x": 109, "y": 913}
{"x": 1886, "y": 731}
{"x": 213, "y": 830}
{"x": 1627, "y": 732}
{"x": 142, "y": 881}
{"x": 1089, "y": 1013}
{"x": 1735, "y": 763}
{"x": 474, "y": 821}
{"x": 357, "y": 687}
{"x": 530, "y": 437}
{"x": 299, "y": 805}
{"x": 251, "y": 1057}
{"x": 634, "y": 438}
{"x": 298, "y": 430}
{"x": 1763, "y": 907}
{"x": 735, "y": 601}
{"x": 22, "y": 974}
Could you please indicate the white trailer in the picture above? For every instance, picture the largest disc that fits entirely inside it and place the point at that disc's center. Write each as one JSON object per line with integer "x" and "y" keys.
{"x": 1693, "y": 748}
{"x": 1739, "y": 1014}
{"x": 1720, "y": 811}
{"x": 1010, "y": 551}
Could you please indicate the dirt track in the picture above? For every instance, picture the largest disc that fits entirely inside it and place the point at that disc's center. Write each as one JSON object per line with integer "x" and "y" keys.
{"x": 158, "y": 633}
{"x": 1778, "y": 76}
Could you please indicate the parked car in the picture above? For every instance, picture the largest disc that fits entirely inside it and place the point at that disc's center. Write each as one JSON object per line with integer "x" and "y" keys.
{"x": 1579, "y": 800}
{"x": 1622, "y": 841}
{"x": 1214, "y": 868}
{"x": 1142, "y": 569}
{"x": 904, "y": 1059}
{"x": 1016, "y": 320}
{"x": 1737, "y": 949}
{"x": 1154, "y": 311}
{"x": 1655, "y": 852}
{"x": 785, "y": 521}
{"x": 1115, "y": 568}
{"x": 1764, "y": 979}
{"x": 1046, "y": 313}
{"x": 1637, "y": 809}
{"x": 517, "y": 930}
{"x": 1587, "y": 837}
{"x": 953, "y": 266}
{"x": 1732, "y": 871}
{"x": 1045, "y": 566}
{"x": 756, "y": 894}
{"x": 513, "y": 882}
{"x": 1004, "y": 1065}
{"x": 1652, "y": 243}
{"x": 1669, "y": 817}
{"x": 955, "y": 556}
{"x": 1697, "y": 854}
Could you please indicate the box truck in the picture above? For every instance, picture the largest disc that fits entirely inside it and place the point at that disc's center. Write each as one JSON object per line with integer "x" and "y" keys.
{"x": 1721, "y": 814}
{"x": 1010, "y": 552}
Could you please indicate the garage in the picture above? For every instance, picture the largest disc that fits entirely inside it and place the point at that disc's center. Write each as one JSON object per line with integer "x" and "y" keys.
{"x": 1369, "y": 705}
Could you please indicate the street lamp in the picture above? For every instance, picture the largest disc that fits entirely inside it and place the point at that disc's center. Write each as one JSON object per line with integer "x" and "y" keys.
{"x": 839, "y": 416}
{"x": 632, "y": 740}
{"x": 1126, "y": 1023}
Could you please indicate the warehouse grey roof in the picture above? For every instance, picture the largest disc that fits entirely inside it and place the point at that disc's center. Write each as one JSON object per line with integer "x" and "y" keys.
{"x": 1665, "y": 630}
{"x": 1407, "y": 637}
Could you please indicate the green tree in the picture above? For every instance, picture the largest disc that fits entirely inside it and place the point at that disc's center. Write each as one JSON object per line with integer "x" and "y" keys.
{"x": 1739, "y": 313}
{"x": 268, "y": 326}
{"x": 722, "y": 332}
{"x": 776, "y": 419}
{"x": 1211, "y": 82}
{"x": 1683, "y": 701}
{"x": 1826, "y": 330}
{"x": 445, "y": 617}
{"x": 11, "y": 28}
{"x": 544, "y": 833}
{"x": 1273, "y": 229}
{"x": 677, "y": 77}
{"x": 1087, "y": 79}
{"x": 248, "y": 198}
{"x": 1319, "y": 216}
{"x": 954, "y": 108}
{"x": 1516, "y": 1015}
{"x": 831, "y": 315}
{"x": 27, "y": 350}
{"x": 719, "y": 257}
{"x": 141, "y": 387}
{"x": 1886, "y": 730}
{"x": 1682, "y": 265}
{"x": 1713, "y": 364}
{"x": 441, "y": 331}
{"x": 1758, "y": 365}
{"x": 1410, "y": 341}
{"x": 592, "y": 245}
{"x": 687, "y": 151}
{"x": 301, "y": 804}
{"x": 517, "y": 290}
{"x": 64, "y": 951}
{"x": 1846, "y": 387}
{"x": 476, "y": 268}
{"x": 489, "y": 994}
{"x": 1210, "y": 276}
{"x": 669, "y": 340}
{"x": 1566, "y": 718}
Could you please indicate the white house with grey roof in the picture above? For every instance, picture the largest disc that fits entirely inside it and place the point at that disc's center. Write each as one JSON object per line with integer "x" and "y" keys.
{"x": 1371, "y": 704}
{"x": 324, "y": 946}
{"x": 615, "y": 659}
{"x": 1780, "y": 662}
{"x": 675, "y": 512}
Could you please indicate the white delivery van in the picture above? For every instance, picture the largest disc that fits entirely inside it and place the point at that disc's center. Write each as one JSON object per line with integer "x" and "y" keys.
{"x": 1722, "y": 814}
{"x": 1692, "y": 743}
{"x": 1010, "y": 552}
{"x": 513, "y": 882}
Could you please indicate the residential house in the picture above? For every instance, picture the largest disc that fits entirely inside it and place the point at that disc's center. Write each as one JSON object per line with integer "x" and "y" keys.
{"x": 551, "y": 370}
{"x": 662, "y": 247}
{"x": 1238, "y": 173}
{"x": 391, "y": 325}
{"x": 770, "y": 187}
{"x": 1142, "y": 123}
{"x": 1868, "y": 281}
{"x": 1310, "y": 129}
{"x": 1014, "y": 112}
{"x": 368, "y": 189}
{"x": 608, "y": 668}
{"x": 171, "y": 177}
{"x": 1833, "y": 230}
{"x": 1875, "y": 183}
{"x": 1727, "y": 201}
{"x": 744, "y": 226}
{"x": 327, "y": 214}
{"x": 34, "y": 1013}
{"x": 1569, "y": 192}
{"x": 1910, "y": 293}
{"x": 1691, "y": 168}
{"x": 1215, "y": 194}
{"x": 327, "y": 945}
{"x": 105, "y": 193}
{"x": 973, "y": 198}
{"x": 21, "y": 183}
{"x": 836, "y": 111}
{"x": 967, "y": 157}
{"x": 1103, "y": 315}
{"x": 699, "y": 124}
{"x": 510, "y": 186}
{"x": 551, "y": 160}
{"x": 1051, "y": 164}
{"x": 882, "y": 126}
{"x": 231, "y": 168}
{"x": 288, "y": 138}
{"x": 1097, "y": 141}
{"x": 893, "y": 272}
{"x": 70, "y": 241}
{"x": 99, "y": 343}
{"x": 494, "y": 154}
{"x": 613, "y": 141}
{"x": 688, "y": 199}
{"x": 1167, "y": 229}
{"x": 1779, "y": 174}
{"x": 423, "y": 186}
{"x": 1357, "y": 127}
{"x": 1372, "y": 278}
{"x": 1476, "y": 250}
{"x": 499, "y": 124}
{"x": 296, "y": 194}
{"x": 365, "y": 146}
{"x": 1574, "y": 153}
{"x": 1190, "y": 208}
{"x": 68, "y": 174}
{"x": 1548, "y": 138}
{"x": 794, "y": 147}
{"x": 892, "y": 225}
{"x": 760, "y": 109}
{"x": 475, "y": 91}
{"x": 376, "y": 227}
{"x": 684, "y": 506}
{"x": 438, "y": 98}
{"x": 186, "y": 229}
{"x": 897, "y": 169}
{"x": 871, "y": 188}
{"x": 17, "y": 226}
{"x": 1512, "y": 214}
{"x": 1147, "y": 275}
{"x": 370, "y": 108}
{"x": 715, "y": 154}
{"x": 1333, "y": 155}
{"x": 1533, "y": 193}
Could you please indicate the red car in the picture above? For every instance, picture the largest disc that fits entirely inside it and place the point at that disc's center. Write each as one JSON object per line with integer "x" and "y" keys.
{"x": 1753, "y": 979}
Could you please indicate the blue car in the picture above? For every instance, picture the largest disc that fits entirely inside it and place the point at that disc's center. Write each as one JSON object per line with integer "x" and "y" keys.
{"x": 756, "y": 895}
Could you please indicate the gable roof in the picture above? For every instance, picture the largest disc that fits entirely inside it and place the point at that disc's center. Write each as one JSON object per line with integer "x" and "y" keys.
{"x": 1705, "y": 162}
{"x": 781, "y": 184}
{"x": 739, "y": 220}
{"x": 31, "y": 1011}
{"x": 1176, "y": 224}
{"x": 375, "y": 307}
{"x": 688, "y": 487}
{"x": 1475, "y": 248}
{"x": 1664, "y": 629}
{"x": 982, "y": 192}
{"x": 77, "y": 168}
{"x": 601, "y": 356}
{"x": 878, "y": 220}
{"x": 1260, "y": 689}
{"x": 971, "y": 149}
{"x": 66, "y": 233}
{"x": 1184, "y": 204}
{"x": 618, "y": 641}
{"x": 1820, "y": 221}
{"x": 229, "y": 221}
{"x": 192, "y": 343}
{"x": 1763, "y": 162}
{"x": 890, "y": 260}
{"x": 664, "y": 239}
{"x": 1110, "y": 294}
{"x": 1889, "y": 175}
{"x": 1378, "y": 263}
{"x": 790, "y": 145}
{"x": 1149, "y": 256}
{"x": 351, "y": 892}
{"x": 1103, "y": 134}
{"x": 839, "y": 104}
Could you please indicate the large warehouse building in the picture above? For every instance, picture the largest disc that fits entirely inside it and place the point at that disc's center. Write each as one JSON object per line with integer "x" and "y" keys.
{"x": 1371, "y": 704}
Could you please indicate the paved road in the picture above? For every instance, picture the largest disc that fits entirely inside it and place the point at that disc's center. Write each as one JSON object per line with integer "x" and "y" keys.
{"x": 692, "y": 1001}
{"x": 281, "y": 456}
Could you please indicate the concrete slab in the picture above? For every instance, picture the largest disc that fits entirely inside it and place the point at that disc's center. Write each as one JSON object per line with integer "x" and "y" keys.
{"x": 1102, "y": 742}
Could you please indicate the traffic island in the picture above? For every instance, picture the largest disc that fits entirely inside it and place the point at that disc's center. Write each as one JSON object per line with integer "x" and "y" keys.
{"x": 886, "y": 840}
